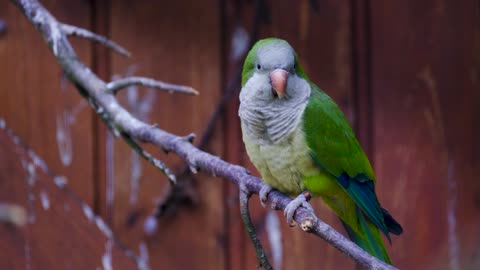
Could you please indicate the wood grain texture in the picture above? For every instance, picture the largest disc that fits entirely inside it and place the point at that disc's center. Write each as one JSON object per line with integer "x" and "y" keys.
{"x": 101, "y": 63}
{"x": 178, "y": 42}
{"x": 425, "y": 81}
{"x": 406, "y": 74}
{"x": 361, "y": 73}
{"x": 44, "y": 108}
{"x": 62, "y": 232}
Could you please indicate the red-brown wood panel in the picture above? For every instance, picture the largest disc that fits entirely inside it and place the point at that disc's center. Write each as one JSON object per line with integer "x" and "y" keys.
{"x": 236, "y": 17}
{"x": 40, "y": 105}
{"x": 101, "y": 66}
{"x": 61, "y": 230}
{"x": 406, "y": 74}
{"x": 323, "y": 42}
{"x": 425, "y": 70}
{"x": 177, "y": 42}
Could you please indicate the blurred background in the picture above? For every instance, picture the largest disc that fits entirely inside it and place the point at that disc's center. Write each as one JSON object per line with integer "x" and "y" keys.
{"x": 406, "y": 73}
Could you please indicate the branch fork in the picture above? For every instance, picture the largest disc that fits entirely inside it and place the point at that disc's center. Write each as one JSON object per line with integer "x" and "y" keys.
{"x": 244, "y": 196}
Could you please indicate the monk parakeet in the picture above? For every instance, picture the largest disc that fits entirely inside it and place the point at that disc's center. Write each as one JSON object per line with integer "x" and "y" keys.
{"x": 299, "y": 140}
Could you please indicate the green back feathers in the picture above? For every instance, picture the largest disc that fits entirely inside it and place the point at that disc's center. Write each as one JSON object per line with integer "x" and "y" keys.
{"x": 332, "y": 140}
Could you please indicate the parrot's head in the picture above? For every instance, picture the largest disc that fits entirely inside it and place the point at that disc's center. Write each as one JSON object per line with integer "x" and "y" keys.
{"x": 275, "y": 91}
{"x": 271, "y": 70}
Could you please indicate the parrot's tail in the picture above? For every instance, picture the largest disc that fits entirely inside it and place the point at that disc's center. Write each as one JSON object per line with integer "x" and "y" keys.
{"x": 369, "y": 238}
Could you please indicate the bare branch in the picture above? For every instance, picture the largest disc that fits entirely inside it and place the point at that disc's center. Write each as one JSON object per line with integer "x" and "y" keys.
{"x": 96, "y": 91}
{"x": 71, "y": 30}
{"x": 151, "y": 159}
{"x": 247, "y": 221}
{"x": 119, "y": 84}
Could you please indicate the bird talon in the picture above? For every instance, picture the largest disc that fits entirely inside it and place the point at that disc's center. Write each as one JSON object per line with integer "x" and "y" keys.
{"x": 307, "y": 206}
{"x": 291, "y": 208}
{"x": 289, "y": 216}
{"x": 263, "y": 194}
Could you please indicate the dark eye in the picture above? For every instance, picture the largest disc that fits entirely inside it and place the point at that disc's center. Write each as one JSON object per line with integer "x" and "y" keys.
{"x": 295, "y": 66}
{"x": 259, "y": 67}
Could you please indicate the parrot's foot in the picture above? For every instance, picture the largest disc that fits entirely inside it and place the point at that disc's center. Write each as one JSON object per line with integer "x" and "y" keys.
{"x": 301, "y": 200}
{"x": 263, "y": 194}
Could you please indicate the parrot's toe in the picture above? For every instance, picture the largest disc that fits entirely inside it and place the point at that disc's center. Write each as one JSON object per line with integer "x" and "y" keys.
{"x": 263, "y": 194}
{"x": 290, "y": 209}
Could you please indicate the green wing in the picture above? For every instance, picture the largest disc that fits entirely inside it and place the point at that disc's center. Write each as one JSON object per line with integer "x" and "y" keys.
{"x": 335, "y": 149}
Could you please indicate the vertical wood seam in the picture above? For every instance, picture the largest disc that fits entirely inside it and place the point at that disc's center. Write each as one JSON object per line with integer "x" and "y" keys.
{"x": 101, "y": 66}
{"x": 223, "y": 82}
{"x": 362, "y": 74}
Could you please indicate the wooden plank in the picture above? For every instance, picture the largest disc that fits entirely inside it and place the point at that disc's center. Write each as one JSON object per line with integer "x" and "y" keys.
{"x": 178, "y": 42}
{"x": 361, "y": 57}
{"x": 101, "y": 66}
{"x": 323, "y": 43}
{"x": 425, "y": 68}
{"x": 43, "y": 107}
{"x": 237, "y": 26}
{"x": 61, "y": 231}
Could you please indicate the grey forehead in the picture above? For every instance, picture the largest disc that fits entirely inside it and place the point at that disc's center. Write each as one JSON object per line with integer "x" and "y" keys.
{"x": 278, "y": 54}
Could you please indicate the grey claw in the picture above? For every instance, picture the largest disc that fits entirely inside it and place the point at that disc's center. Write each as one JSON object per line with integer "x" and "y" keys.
{"x": 263, "y": 194}
{"x": 290, "y": 209}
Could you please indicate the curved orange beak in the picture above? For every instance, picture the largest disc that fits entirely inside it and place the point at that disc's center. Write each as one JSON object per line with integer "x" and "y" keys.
{"x": 279, "y": 77}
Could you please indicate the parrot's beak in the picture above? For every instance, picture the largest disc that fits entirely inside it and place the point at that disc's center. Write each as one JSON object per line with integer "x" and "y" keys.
{"x": 279, "y": 77}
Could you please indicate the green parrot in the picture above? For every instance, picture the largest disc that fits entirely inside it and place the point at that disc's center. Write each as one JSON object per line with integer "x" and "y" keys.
{"x": 299, "y": 140}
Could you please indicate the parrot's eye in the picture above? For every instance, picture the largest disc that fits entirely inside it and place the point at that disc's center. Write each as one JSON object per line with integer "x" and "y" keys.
{"x": 259, "y": 67}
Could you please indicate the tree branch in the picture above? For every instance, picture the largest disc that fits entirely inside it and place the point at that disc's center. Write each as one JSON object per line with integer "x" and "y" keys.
{"x": 262, "y": 259}
{"x": 96, "y": 91}
{"x": 151, "y": 159}
{"x": 129, "y": 81}
{"x": 71, "y": 30}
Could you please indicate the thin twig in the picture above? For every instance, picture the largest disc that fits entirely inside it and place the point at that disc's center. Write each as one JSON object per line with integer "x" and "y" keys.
{"x": 151, "y": 159}
{"x": 123, "y": 83}
{"x": 95, "y": 89}
{"x": 247, "y": 221}
{"x": 71, "y": 30}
